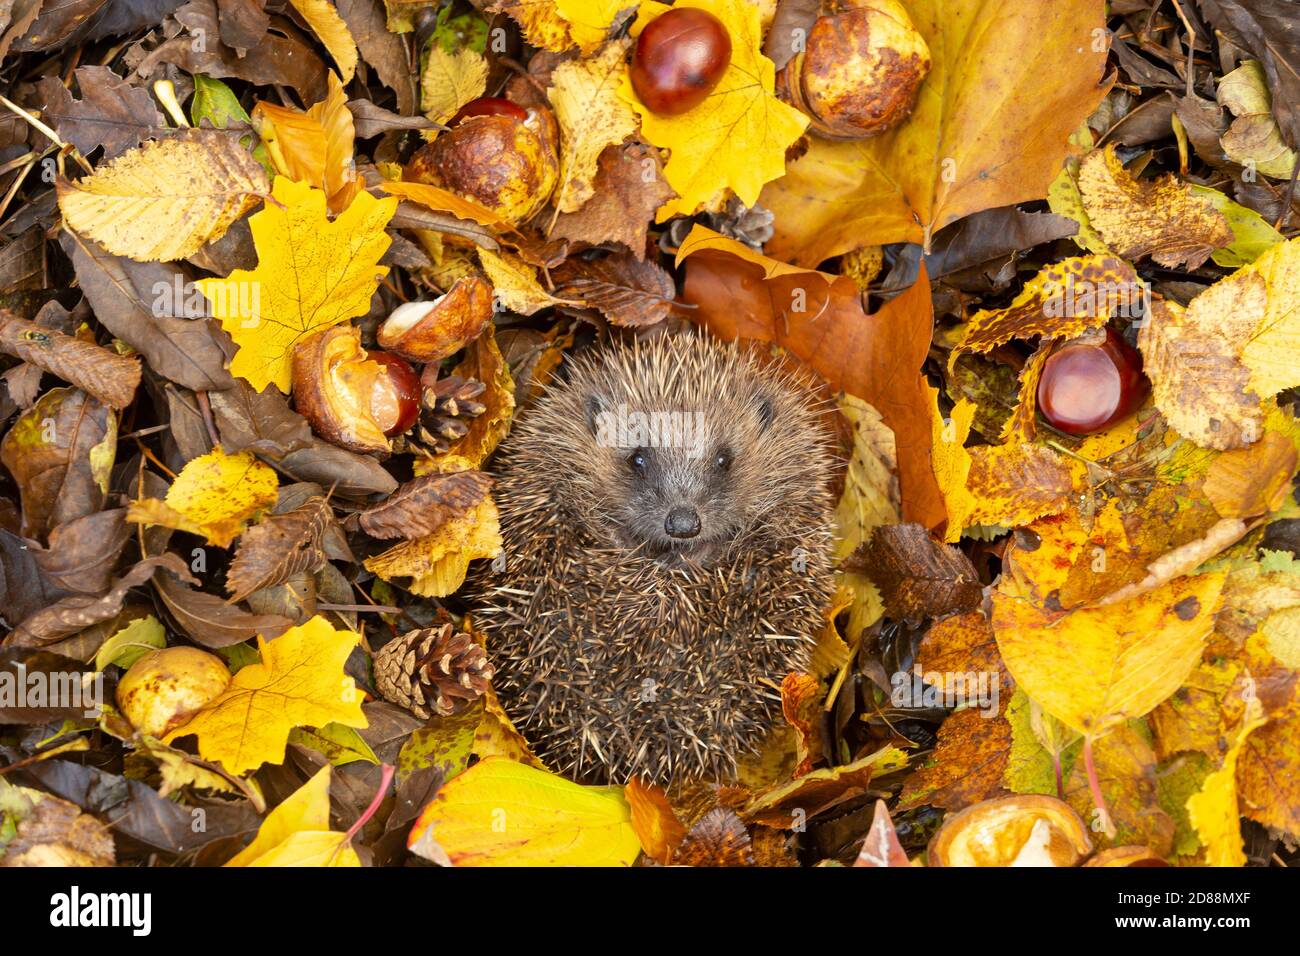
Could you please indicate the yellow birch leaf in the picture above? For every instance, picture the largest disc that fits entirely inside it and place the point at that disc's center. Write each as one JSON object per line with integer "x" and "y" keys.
{"x": 325, "y": 21}
{"x": 502, "y": 813}
{"x": 437, "y": 563}
{"x": 299, "y": 682}
{"x": 450, "y": 80}
{"x": 736, "y": 139}
{"x": 514, "y": 282}
{"x": 166, "y": 199}
{"x": 590, "y": 20}
{"x": 591, "y": 116}
{"x": 1214, "y": 810}
{"x": 311, "y": 274}
{"x": 1094, "y": 667}
{"x": 214, "y": 496}
{"x": 297, "y": 833}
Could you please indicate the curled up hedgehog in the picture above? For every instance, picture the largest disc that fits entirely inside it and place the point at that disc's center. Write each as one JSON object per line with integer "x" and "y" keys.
{"x": 667, "y": 529}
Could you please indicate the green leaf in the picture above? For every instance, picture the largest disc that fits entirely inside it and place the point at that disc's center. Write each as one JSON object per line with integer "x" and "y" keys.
{"x": 131, "y": 643}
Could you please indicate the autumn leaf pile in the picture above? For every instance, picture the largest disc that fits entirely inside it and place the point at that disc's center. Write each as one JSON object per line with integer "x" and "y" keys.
{"x": 1080, "y": 649}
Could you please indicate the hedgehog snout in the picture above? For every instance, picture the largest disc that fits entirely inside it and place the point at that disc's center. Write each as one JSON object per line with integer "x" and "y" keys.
{"x": 682, "y": 521}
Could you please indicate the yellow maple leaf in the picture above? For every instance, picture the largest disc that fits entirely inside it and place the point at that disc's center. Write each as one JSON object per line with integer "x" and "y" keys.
{"x": 736, "y": 139}
{"x": 324, "y": 19}
{"x": 215, "y": 496}
{"x": 311, "y": 274}
{"x": 299, "y": 682}
{"x": 297, "y": 832}
{"x": 502, "y": 813}
{"x": 591, "y": 116}
{"x": 590, "y": 20}
{"x": 450, "y": 80}
{"x": 166, "y": 199}
{"x": 437, "y": 563}
{"x": 1214, "y": 810}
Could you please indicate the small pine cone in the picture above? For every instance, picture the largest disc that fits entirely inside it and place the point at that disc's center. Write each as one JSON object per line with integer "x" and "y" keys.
{"x": 432, "y": 671}
{"x": 448, "y": 405}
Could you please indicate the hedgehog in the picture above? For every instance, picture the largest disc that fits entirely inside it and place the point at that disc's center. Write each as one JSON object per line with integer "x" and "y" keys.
{"x": 667, "y": 529}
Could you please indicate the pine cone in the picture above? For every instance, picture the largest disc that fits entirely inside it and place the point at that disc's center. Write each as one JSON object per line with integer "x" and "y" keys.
{"x": 448, "y": 405}
{"x": 432, "y": 671}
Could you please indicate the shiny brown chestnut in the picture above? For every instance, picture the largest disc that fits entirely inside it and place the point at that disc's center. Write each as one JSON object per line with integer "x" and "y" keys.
{"x": 679, "y": 58}
{"x": 1090, "y": 383}
{"x": 489, "y": 106}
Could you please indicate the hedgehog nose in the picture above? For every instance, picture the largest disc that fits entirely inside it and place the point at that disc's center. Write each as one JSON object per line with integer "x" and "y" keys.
{"x": 682, "y": 522}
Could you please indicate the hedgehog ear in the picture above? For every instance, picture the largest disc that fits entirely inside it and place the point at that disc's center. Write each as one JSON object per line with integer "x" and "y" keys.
{"x": 592, "y": 406}
{"x": 766, "y": 413}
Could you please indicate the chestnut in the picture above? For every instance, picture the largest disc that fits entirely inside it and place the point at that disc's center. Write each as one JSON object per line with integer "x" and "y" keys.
{"x": 679, "y": 58}
{"x": 352, "y": 398}
{"x": 1091, "y": 382}
{"x": 860, "y": 71}
{"x": 489, "y": 106}
{"x": 507, "y": 164}
{"x": 431, "y": 331}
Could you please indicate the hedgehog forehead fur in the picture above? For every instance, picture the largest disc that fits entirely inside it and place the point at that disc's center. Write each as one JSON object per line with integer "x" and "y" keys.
{"x": 629, "y": 642}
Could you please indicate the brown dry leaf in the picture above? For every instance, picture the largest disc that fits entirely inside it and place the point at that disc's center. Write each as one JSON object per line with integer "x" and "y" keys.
{"x": 628, "y": 188}
{"x": 591, "y": 116}
{"x": 53, "y": 832}
{"x": 966, "y": 766}
{"x": 958, "y": 645}
{"x": 110, "y": 377}
{"x": 628, "y": 291}
{"x": 166, "y": 199}
{"x": 787, "y": 804}
{"x": 718, "y": 838}
{"x": 1252, "y": 481}
{"x": 1159, "y": 218}
{"x": 656, "y": 826}
{"x": 315, "y": 147}
{"x": 917, "y": 577}
{"x": 1016, "y": 483}
{"x": 738, "y": 293}
{"x": 278, "y": 547}
{"x": 424, "y": 504}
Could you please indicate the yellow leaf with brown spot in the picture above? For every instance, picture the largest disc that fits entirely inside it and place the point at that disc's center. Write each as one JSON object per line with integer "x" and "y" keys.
{"x": 437, "y": 563}
{"x": 541, "y": 22}
{"x": 450, "y": 80}
{"x": 496, "y": 735}
{"x": 1160, "y": 218}
{"x": 1093, "y": 668}
{"x": 1190, "y": 719}
{"x": 591, "y": 116}
{"x": 214, "y": 496}
{"x": 1016, "y": 483}
{"x": 299, "y": 682}
{"x": 590, "y": 20}
{"x": 502, "y": 813}
{"x": 325, "y": 21}
{"x": 1060, "y": 302}
{"x": 1008, "y": 85}
{"x": 737, "y": 138}
{"x": 1214, "y": 811}
{"x": 514, "y": 282}
{"x": 297, "y": 832}
{"x": 311, "y": 274}
{"x": 168, "y": 198}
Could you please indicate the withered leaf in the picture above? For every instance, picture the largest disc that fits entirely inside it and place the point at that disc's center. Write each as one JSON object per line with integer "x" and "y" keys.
{"x": 422, "y": 505}
{"x": 110, "y": 377}
{"x": 83, "y": 553}
{"x": 624, "y": 202}
{"x": 209, "y": 620}
{"x": 382, "y": 49}
{"x": 626, "y": 290}
{"x": 917, "y": 576}
{"x": 279, "y": 547}
{"x": 719, "y": 838}
{"x": 111, "y": 113}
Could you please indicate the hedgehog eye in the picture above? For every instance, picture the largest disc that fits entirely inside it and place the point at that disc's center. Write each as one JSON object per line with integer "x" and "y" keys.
{"x": 723, "y": 459}
{"x": 639, "y": 461}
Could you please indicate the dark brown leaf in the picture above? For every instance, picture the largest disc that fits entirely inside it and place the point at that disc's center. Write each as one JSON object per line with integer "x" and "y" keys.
{"x": 624, "y": 201}
{"x": 387, "y": 52}
{"x": 110, "y": 377}
{"x": 424, "y": 504}
{"x": 279, "y": 547}
{"x": 627, "y": 291}
{"x": 719, "y": 838}
{"x": 209, "y": 620}
{"x": 111, "y": 113}
{"x": 1270, "y": 29}
{"x": 83, "y": 553}
{"x": 917, "y": 576}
